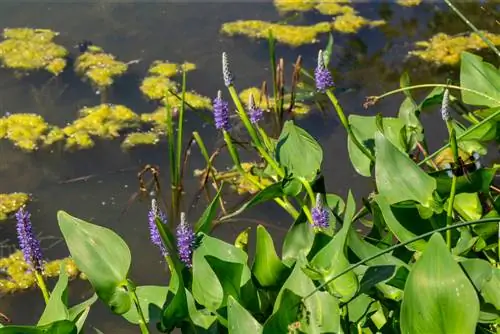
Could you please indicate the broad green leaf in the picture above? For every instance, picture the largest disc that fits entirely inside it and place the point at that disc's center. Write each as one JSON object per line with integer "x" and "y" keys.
{"x": 435, "y": 97}
{"x": 204, "y": 224}
{"x": 298, "y": 151}
{"x": 480, "y": 76}
{"x": 438, "y": 297}
{"x": 398, "y": 178}
{"x": 375, "y": 275}
{"x": 479, "y": 180}
{"x": 58, "y": 327}
{"x": 266, "y": 194}
{"x": 78, "y": 313}
{"x": 364, "y": 128}
{"x": 465, "y": 242}
{"x": 229, "y": 275}
{"x": 468, "y": 206}
{"x": 486, "y": 280}
{"x": 489, "y": 112}
{"x": 324, "y": 314}
{"x": 298, "y": 240}
{"x": 332, "y": 259}
{"x": 241, "y": 241}
{"x": 240, "y": 320}
{"x": 285, "y": 314}
{"x": 361, "y": 309}
{"x": 206, "y": 287}
{"x": 175, "y": 308}
{"x": 151, "y": 299}
{"x": 267, "y": 267}
{"x": 56, "y": 308}
{"x": 292, "y": 186}
{"x": 201, "y": 318}
{"x": 485, "y": 132}
{"x": 101, "y": 255}
{"x": 395, "y": 226}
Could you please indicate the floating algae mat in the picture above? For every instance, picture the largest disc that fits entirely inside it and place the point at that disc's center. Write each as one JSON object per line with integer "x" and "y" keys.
{"x": 26, "y": 49}
{"x": 19, "y": 277}
{"x": 99, "y": 67}
{"x": 443, "y": 49}
{"x": 26, "y": 131}
{"x": 345, "y": 20}
{"x": 298, "y": 109}
{"x": 409, "y": 3}
{"x": 10, "y": 203}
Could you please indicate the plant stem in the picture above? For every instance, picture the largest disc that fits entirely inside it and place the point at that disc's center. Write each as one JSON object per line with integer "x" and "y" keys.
{"x": 449, "y": 212}
{"x": 142, "y": 320}
{"x": 43, "y": 287}
{"x": 180, "y": 125}
{"x": 309, "y": 190}
{"x": 347, "y": 126}
{"x": 477, "y": 31}
{"x": 171, "y": 157}
{"x": 390, "y": 249}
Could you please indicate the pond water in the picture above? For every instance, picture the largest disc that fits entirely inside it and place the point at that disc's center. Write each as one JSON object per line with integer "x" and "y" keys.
{"x": 367, "y": 63}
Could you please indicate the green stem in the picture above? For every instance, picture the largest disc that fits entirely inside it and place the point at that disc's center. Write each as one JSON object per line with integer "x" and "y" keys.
{"x": 135, "y": 299}
{"x": 390, "y": 249}
{"x": 399, "y": 90}
{"x": 309, "y": 190}
{"x": 449, "y": 212}
{"x": 253, "y": 134}
{"x": 460, "y": 136}
{"x": 477, "y": 31}
{"x": 347, "y": 126}
{"x": 180, "y": 125}
{"x": 43, "y": 287}
{"x": 171, "y": 156}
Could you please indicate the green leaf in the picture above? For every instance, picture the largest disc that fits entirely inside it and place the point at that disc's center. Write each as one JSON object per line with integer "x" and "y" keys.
{"x": 240, "y": 320}
{"x": 206, "y": 288}
{"x": 201, "y": 318}
{"x": 375, "y": 275}
{"x": 298, "y": 240}
{"x": 229, "y": 275}
{"x": 364, "y": 128}
{"x": 267, "y": 267}
{"x": 332, "y": 259}
{"x": 298, "y": 151}
{"x": 327, "y": 53}
{"x": 101, "y": 255}
{"x": 78, "y": 313}
{"x": 479, "y": 180}
{"x": 241, "y": 241}
{"x": 285, "y": 314}
{"x": 204, "y": 224}
{"x": 175, "y": 308}
{"x": 395, "y": 226}
{"x": 468, "y": 206}
{"x": 56, "y": 308}
{"x": 480, "y": 76}
{"x": 151, "y": 300}
{"x": 58, "y": 327}
{"x": 398, "y": 178}
{"x": 486, "y": 280}
{"x": 292, "y": 186}
{"x": 438, "y": 297}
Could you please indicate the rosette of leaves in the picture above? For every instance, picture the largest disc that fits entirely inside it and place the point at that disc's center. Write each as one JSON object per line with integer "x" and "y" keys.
{"x": 26, "y": 49}
{"x": 99, "y": 67}
{"x": 10, "y": 203}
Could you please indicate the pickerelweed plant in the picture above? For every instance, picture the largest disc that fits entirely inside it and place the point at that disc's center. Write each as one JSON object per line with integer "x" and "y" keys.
{"x": 428, "y": 261}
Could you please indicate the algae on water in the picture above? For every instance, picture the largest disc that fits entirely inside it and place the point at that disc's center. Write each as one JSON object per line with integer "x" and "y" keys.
{"x": 10, "y": 203}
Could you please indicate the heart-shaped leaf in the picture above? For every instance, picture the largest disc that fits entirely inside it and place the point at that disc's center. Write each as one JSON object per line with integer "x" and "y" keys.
{"x": 101, "y": 255}
{"x": 240, "y": 320}
{"x": 151, "y": 300}
{"x": 480, "y": 76}
{"x": 267, "y": 267}
{"x": 438, "y": 297}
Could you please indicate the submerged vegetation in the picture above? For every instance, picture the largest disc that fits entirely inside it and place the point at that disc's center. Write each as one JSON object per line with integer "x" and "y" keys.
{"x": 10, "y": 203}
{"x": 426, "y": 261}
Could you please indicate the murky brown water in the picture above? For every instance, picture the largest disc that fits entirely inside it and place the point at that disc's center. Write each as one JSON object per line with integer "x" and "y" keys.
{"x": 368, "y": 63}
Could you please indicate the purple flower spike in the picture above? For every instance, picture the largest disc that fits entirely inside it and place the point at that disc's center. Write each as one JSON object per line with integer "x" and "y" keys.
{"x": 255, "y": 112}
{"x": 322, "y": 75}
{"x": 154, "y": 234}
{"x": 320, "y": 214}
{"x": 185, "y": 241}
{"x": 226, "y": 72}
{"x": 29, "y": 244}
{"x": 445, "y": 112}
{"x": 221, "y": 113}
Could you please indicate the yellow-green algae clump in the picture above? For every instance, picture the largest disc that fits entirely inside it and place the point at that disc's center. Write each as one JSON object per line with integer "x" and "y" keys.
{"x": 10, "y": 203}
{"x": 20, "y": 277}
{"x": 104, "y": 121}
{"x": 409, "y": 3}
{"x": 325, "y": 7}
{"x": 29, "y": 49}
{"x": 99, "y": 67}
{"x": 299, "y": 107}
{"x": 443, "y": 49}
{"x": 140, "y": 138}
{"x": 24, "y": 130}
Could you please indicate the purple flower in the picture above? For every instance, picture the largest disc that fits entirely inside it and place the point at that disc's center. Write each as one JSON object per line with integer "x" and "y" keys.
{"x": 320, "y": 214}
{"x": 29, "y": 244}
{"x": 221, "y": 113}
{"x": 226, "y": 72}
{"x": 154, "y": 234}
{"x": 322, "y": 75}
{"x": 254, "y": 111}
{"x": 185, "y": 241}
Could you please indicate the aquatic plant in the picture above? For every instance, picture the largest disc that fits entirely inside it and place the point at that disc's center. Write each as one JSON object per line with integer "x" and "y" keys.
{"x": 298, "y": 109}
{"x": 10, "y": 203}
{"x": 444, "y": 49}
{"x": 140, "y": 138}
{"x": 24, "y": 130}
{"x": 99, "y": 67}
{"x": 26, "y": 49}
{"x": 409, "y": 3}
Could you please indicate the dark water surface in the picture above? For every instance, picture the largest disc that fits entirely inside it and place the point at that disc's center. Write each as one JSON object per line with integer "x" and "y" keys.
{"x": 368, "y": 63}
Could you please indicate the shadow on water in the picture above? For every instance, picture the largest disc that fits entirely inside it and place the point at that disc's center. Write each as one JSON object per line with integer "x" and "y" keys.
{"x": 368, "y": 63}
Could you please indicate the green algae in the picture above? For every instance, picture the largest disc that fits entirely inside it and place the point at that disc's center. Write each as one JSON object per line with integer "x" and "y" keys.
{"x": 10, "y": 203}
{"x": 443, "y": 49}
{"x": 168, "y": 69}
{"x": 140, "y": 138}
{"x": 298, "y": 109}
{"x": 325, "y": 7}
{"x": 409, "y": 3}
{"x": 20, "y": 277}
{"x": 156, "y": 87}
{"x": 27, "y": 49}
{"x": 24, "y": 130}
{"x": 99, "y": 67}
